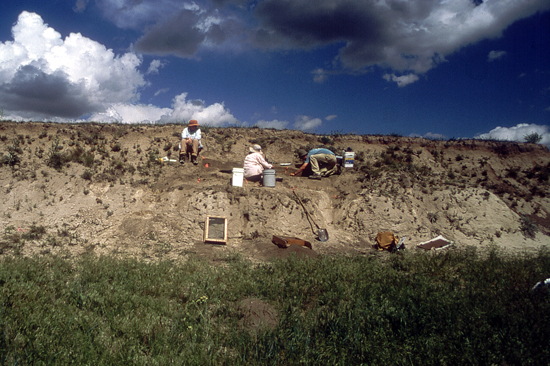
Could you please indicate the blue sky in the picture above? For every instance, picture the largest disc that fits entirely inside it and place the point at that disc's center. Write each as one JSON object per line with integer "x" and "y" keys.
{"x": 433, "y": 68}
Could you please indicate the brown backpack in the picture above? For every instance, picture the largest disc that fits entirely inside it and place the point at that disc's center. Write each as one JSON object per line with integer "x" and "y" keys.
{"x": 386, "y": 241}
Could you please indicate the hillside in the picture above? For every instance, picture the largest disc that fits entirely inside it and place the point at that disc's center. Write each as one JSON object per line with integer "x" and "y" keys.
{"x": 77, "y": 188}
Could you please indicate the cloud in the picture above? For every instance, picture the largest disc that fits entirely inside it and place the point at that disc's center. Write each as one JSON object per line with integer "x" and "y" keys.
{"x": 43, "y": 76}
{"x": 495, "y": 55}
{"x": 179, "y": 36}
{"x": 429, "y": 135}
{"x": 161, "y": 91}
{"x": 307, "y": 124}
{"x": 331, "y": 117}
{"x": 401, "y": 80}
{"x": 129, "y": 113}
{"x": 34, "y": 92}
{"x": 517, "y": 133}
{"x": 435, "y": 136}
{"x": 178, "y": 28}
{"x": 136, "y": 14}
{"x": 404, "y": 36}
{"x": 154, "y": 67}
{"x": 276, "y": 124}
{"x": 184, "y": 110}
{"x": 319, "y": 76}
{"x": 80, "y": 6}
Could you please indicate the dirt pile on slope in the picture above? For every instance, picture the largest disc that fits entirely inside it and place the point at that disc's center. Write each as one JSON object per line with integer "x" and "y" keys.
{"x": 100, "y": 188}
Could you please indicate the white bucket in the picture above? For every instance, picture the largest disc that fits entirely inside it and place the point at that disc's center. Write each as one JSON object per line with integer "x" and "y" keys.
{"x": 238, "y": 174}
{"x": 349, "y": 156}
{"x": 269, "y": 178}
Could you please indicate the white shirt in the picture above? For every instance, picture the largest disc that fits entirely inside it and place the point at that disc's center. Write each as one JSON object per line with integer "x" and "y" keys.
{"x": 195, "y": 135}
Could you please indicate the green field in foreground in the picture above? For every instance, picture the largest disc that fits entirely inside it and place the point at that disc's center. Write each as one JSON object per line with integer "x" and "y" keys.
{"x": 447, "y": 308}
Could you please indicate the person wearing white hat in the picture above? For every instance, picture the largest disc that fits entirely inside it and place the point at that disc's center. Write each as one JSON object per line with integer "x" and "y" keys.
{"x": 255, "y": 163}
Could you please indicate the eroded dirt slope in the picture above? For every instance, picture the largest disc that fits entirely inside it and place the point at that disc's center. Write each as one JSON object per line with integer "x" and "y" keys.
{"x": 91, "y": 187}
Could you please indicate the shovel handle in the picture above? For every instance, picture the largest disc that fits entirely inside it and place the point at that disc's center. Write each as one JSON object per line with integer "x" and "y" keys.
{"x": 305, "y": 210}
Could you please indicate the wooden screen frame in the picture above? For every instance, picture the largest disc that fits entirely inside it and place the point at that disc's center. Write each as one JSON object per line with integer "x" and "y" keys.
{"x": 207, "y": 239}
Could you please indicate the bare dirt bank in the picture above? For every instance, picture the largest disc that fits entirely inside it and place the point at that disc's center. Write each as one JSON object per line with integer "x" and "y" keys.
{"x": 99, "y": 188}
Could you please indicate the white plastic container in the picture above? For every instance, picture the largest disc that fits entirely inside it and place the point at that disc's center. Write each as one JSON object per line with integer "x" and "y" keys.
{"x": 349, "y": 156}
{"x": 238, "y": 175}
{"x": 269, "y": 178}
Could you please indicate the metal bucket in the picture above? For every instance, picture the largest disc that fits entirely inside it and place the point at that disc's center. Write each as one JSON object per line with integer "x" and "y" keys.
{"x": 269, "y": 178}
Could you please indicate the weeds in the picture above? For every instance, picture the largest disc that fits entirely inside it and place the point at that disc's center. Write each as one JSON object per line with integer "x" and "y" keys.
{"x": 14, "y": 151}
{"x": 533, "y": 138}
{"x": 34, "y": 232}
{"x": 452, "y": 308}
{"x": 87, "y": 175}
{"x": 528, "y": 227}
{"x": 55, "y": 159}
{"x": 433, "y": 217}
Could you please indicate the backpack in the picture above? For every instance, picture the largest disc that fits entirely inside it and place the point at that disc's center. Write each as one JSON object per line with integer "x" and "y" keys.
{"x": 387, "y": 241}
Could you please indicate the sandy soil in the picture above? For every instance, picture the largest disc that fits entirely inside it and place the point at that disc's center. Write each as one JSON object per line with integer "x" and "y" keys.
{"x": 99, "y": 188}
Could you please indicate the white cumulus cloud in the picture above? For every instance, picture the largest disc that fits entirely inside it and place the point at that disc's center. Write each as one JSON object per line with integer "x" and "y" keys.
{"x": 130, "y": 113}
{"x": 517, "y": 133}
{"x": 154, "y": 67}
{"x": 43, "y": 76}
{"x": 402, "y": 80}
{"x": 276, "y": 124}
{"x": 306, "y": 123}
{"x": 184, "y": 110}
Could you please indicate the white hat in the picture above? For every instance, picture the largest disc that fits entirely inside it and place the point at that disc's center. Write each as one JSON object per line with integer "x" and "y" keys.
{"x": 255, "y": 148}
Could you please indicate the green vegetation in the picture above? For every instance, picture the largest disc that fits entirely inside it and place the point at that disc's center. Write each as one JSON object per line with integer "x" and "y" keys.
{"x": 13, "y": 157}
{"x": 13, "y": 240}
{"x": 448, "y": 308}
{"x": 533, "y": 138}
{"x": 528, "y": 227}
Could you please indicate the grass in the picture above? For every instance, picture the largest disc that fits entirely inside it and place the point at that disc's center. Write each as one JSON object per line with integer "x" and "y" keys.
{"x": 452, "y": 308}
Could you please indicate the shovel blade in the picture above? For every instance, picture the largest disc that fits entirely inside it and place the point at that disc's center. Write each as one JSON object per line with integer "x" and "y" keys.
{"x": 323, "y": 235}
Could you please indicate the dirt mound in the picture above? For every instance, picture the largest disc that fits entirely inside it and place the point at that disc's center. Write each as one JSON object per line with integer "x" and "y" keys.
{"x": 258, "y": 314}
{"x": 100, "y": 188}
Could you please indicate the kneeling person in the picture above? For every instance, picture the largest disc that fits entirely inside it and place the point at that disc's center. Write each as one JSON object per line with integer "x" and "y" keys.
{"x": 323, "y": 162}
{"x": 254, "y": 164}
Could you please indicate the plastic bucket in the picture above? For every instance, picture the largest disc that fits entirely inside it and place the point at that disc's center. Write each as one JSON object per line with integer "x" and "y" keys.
{"x": 269, "y": 178}
{"x": 349, "y": 156}
{"x": 238, "y": 174}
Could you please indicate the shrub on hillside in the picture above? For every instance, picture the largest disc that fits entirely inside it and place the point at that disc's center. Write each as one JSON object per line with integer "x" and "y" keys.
{"x": 533, "y": 138}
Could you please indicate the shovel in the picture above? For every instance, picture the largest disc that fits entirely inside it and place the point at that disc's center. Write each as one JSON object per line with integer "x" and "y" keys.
{"x": 322, "y": 234}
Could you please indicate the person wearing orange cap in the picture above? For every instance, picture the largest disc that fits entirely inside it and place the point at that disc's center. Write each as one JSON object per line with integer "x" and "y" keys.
{"x": 190, "y": 142}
